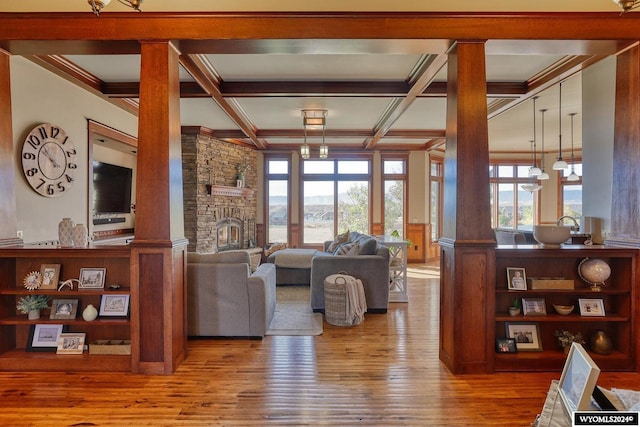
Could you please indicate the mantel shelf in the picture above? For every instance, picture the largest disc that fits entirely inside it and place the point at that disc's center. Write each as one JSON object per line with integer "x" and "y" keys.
{"x": 222, "y": 190}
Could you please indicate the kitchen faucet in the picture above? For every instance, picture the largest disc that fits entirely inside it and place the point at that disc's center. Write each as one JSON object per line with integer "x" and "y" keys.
{"x": 574, "y": 227}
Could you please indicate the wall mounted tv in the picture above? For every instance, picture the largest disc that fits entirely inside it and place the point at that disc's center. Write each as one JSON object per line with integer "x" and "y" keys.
{"x": 111, "y": 188}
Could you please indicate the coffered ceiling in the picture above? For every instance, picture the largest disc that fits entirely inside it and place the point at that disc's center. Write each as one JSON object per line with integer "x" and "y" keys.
{"x": 382, "y": 94}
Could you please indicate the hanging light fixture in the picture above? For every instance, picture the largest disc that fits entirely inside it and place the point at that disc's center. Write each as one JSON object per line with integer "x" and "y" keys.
{"x": 560, "y": 164}
{"x": 544, "y": 175}
{"x": 314, "y": 119}
{"x": 532, "y": 186}
{"x": 573, "y": 176}
{"x": 98, "y": 5}
{"x": 534, "y": 170}
{"x": 627, "y": 5}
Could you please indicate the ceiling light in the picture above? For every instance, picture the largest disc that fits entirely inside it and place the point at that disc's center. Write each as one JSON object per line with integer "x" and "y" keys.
{"x": 314, "y": 119}
{"x": 534, "y": 170}
{"x": 560, "y": 164}
{"x": 531, "y": 187}
{"x": 98, "y": 5}
{"x": 627, "y": 5}
{"x": 573, "y": 176}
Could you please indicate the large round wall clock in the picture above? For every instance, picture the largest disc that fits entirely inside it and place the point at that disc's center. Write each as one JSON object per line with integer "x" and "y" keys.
{"x": 49, "y": 160}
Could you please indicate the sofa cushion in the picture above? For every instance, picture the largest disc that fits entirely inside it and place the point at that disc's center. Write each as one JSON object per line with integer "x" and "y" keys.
{"x": 220, "y": 257}
{"x": 347, "y": 249}
{"x": 340, "y": 239}
{"x": 368, "y": 247}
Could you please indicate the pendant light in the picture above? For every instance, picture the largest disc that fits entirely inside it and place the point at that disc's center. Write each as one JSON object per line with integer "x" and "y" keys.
{"x": 534, "y": 170}
{"x": 544, "y": 175}
{"x": 573, "y": 176}
{"x": 532, "y": 186}
{"x": 305, "y": 151}
{"x": 560, "y": 164}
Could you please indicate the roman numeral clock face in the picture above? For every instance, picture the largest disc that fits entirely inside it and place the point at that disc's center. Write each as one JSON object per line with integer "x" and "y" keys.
{"x": 49, "y": 160}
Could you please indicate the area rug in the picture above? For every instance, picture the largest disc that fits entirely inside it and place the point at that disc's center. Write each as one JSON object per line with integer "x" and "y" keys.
{"x": 293, "y": 314}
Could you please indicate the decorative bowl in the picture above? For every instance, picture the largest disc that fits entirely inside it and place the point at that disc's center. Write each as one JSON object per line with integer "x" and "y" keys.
{"x": 563, "y": 309}
{"x": 551, "y": 235}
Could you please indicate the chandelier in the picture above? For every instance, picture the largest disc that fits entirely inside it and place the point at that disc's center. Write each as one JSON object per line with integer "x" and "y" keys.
{"x": 98, "y": 5}
{"x": 627, "y": 5}
{"x": 311, "y": 120}
{"x": 573, "y": 176}
{"x": 560, "y": 164}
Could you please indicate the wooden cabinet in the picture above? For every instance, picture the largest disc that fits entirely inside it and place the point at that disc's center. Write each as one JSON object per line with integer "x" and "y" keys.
{"x": 620, "y": 297}
{"x": 15, "y": 263}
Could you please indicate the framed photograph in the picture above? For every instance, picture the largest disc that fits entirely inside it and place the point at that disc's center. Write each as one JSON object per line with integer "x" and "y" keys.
{"x": 516, "y": 279}
{"x": 71, "y": 343}
{"x": 578, "y": 379}
{"x": 92, "y": 278}
{"x": 506, "y": 345}
{"x": 533, "y": 307}
{"x": 114, "y": 305}
{"x": 64, "y": 309}
{"x": 591, "y": 307}
{"x": 50, "y": 276}
{"x": 526, "y": 336}
{"x": 44, "y": 337}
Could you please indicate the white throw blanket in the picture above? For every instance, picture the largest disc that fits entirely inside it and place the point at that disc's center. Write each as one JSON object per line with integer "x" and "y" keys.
{"x": 294, "y": 258}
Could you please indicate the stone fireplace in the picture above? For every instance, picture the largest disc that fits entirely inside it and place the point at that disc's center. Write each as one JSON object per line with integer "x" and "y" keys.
{"x": 218, "y": 215}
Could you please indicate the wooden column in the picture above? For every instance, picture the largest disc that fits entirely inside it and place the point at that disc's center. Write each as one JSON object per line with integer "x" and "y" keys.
{"x": 158, "y": 253}
{"x": 8, "y": 216}
{"x": 625, "y": 203}
{"x": 468, "y": 245}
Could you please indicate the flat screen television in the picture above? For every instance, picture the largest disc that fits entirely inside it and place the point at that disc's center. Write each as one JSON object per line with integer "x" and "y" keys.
{"x": 111, "y": 188}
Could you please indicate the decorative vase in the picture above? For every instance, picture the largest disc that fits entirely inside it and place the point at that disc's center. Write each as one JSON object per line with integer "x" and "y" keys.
{"x": 600, "y": 342}
{"x": 80, "y": 235}
{"x": 89, "y": 313}
{"x": 33, "y": 314}
{"x": 65, "y": 233}
{"x": 514, "y": 311}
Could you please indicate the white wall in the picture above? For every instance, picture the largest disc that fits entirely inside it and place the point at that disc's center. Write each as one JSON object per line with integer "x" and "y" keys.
{"x": 598, "y": 107}
{"x": 39, "y": 96}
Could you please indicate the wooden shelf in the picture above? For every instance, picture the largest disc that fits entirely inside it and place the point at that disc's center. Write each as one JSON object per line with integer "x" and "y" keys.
{"x": 618, "y": 296}
{"x": 221, "y": 190}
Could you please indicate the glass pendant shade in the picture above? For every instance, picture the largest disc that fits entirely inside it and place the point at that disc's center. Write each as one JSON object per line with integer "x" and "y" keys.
{"x": 531, "y": 187}
{"x": 305, "y": 152}
{"x": 534, "y": 171}
{"x": 543, "y": 176}
{"x": 560, "y": 165}
{"x": 324, "y": 151}
{"x": 573, "y": 176}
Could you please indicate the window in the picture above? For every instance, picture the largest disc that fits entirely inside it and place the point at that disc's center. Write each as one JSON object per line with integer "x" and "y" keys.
{"x": 277, "y": 189}
{"x": 511, "y": 206}
{"x": 571, "y": 203}
{"x": 335, "y": 198}
{"x": 436, "y": 176}
{"x": 394, "y": 176}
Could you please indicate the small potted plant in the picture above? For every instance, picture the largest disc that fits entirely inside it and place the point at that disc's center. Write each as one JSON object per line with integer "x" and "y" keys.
{"x": 515, "y": 307}
{"x": 566, "y": 338}
{"x": 32, "y": 304}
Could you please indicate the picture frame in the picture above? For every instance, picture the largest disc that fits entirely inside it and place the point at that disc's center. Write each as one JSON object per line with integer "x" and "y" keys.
{"x": 578, "y": 380}
{"x": 114, "y": 305}
{"x": 92, "y": 278}
{"x": 71, "y": 343}
{"x": 44, "y": 337}
{"x": 526, "y": 336}
{"x": 516, "y": 279}
{"x": 64, "y": 309}
{"x": 506, "y": 345}
{"x": 591, "y": 307}
{"x": 534, "y": 307}
{"x": 50, "y": 276}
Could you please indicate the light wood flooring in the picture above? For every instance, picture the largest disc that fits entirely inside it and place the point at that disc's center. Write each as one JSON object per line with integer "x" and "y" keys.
{"x": 384, "y": 372}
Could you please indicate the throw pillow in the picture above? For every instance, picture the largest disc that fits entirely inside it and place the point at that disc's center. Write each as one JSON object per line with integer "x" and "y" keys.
{"x": 274, "y": 247}
{"x": 340, "y": 239}
{"x": 345, "y": 248}
{"x": 368, "y": 247}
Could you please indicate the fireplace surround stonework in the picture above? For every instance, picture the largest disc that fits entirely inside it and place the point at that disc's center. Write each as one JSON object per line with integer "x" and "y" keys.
{"x": 208, "y": 161}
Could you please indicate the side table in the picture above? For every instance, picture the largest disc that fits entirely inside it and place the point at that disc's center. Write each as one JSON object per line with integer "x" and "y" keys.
{"x": 397, "y": 267}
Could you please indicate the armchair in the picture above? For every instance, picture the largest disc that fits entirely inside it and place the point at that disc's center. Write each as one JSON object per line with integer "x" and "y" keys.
{"x": 224, "y": 299}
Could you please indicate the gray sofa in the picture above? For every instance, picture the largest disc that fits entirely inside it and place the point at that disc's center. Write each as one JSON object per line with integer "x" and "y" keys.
{"x": 370, "y": 264}
{"x": 225, "y": 300}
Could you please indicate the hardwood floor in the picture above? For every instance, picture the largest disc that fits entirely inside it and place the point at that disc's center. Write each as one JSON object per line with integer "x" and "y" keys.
{"x": 384, "y": 372}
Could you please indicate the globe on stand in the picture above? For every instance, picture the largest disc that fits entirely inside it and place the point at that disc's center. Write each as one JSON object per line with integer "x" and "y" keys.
{"x": 595, "y": 272}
